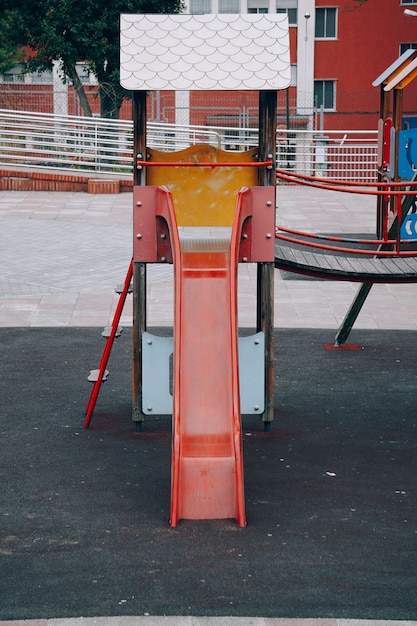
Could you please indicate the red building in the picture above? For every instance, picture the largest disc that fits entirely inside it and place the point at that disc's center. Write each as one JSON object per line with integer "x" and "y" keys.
{"x": 337, "y": 47}
{"x": 370, "y": 35}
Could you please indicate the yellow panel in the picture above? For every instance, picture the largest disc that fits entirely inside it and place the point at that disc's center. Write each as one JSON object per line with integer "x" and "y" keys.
{"x": 203, "y": 196}
{"x": 403, "y": 76}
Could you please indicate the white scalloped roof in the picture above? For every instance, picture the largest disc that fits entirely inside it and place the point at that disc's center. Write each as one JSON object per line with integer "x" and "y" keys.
{"x": 204, "y": 52}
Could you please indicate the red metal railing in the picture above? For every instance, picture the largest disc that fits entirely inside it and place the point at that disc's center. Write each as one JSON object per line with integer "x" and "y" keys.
{"x": 391, "y": 190}
{"x": 140, "y": 164}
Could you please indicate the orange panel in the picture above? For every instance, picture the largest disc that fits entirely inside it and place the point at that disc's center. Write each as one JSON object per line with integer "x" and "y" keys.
{"x": 203, "y": 196}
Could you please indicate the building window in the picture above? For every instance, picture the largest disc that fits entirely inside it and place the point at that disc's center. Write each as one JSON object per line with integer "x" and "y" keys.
{"x": 325, "y": 94}
{"x": 407, "y": 46}
{"x": 84, "y": 73}
{"x": 326, "y": 23}
{"x": 16, "y": 75}
{"x": 293, "y": 70}
{"x": 292, "y": 15}
{"x": 13, "y": 78}
{"x": 408, "y": 1}
{"x": 229, "y": 6}
{"x": 198, "y": 7}
{"x": 258, "y": 6}
{"x": 44, "y": 77}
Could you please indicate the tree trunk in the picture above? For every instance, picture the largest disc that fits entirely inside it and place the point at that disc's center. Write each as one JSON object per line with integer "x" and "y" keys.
{"x": 78, "y": 86}
{"x": 110, "y": 100}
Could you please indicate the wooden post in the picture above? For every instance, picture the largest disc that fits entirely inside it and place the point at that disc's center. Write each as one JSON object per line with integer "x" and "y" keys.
{"x": 383, "y": 114}
{"x": 139, "y": 269}
{"x": 265, "y": 271}
{"x": 397, "y": 120}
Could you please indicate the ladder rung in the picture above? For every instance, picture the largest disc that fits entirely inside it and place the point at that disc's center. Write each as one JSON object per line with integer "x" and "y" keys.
{"x": 107, "y": 332}
{"x": 93, "y": 376}
{"x": 120, "y": 287}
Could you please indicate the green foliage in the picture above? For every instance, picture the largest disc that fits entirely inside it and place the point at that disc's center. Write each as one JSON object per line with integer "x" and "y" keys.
{"x": 73, "y": 31}
{"x": 9, "y": 57}
{"x": 10, "y": 52}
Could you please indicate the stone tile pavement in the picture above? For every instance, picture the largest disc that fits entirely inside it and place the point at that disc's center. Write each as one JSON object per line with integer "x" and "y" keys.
{"x": 62, "y": 255}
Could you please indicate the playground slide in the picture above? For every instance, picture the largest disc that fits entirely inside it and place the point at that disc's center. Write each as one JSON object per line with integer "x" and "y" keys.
{"x": 207, "y": 469}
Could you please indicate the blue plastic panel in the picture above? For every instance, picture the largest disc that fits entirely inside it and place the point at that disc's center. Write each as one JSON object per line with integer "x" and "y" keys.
{"x": 156, "y": 374}
{"x": 407, "y": 153}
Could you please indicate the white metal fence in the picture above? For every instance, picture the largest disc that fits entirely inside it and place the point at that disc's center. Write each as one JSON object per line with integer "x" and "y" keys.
{"x": 103, "y": 146}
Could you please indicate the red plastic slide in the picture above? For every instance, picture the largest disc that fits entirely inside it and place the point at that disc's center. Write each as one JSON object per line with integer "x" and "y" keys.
{"x": 207, "y": 468}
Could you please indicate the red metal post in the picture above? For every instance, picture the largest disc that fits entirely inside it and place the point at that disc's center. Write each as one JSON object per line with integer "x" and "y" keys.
{"x": 107, "y": 348}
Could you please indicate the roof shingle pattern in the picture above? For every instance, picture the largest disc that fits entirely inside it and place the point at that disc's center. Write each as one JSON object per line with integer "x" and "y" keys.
{"x": 204, "y": 52}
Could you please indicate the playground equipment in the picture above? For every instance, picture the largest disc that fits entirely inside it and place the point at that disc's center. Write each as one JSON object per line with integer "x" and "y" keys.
{"x": 205, "y": 375}
{"x": 196, "y": 189}
{"x": 385, "y": 259}
{"x": 205, "y": 211}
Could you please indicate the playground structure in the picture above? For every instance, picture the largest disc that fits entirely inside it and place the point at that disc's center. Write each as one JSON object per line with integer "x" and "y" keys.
{"x": 390, "y": 257}
{"x": 177, "y": 198}
{"x": 205, "y": 211}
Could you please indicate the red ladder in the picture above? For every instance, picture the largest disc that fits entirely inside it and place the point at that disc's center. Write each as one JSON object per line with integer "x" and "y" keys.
{"x": 107, "y": 348}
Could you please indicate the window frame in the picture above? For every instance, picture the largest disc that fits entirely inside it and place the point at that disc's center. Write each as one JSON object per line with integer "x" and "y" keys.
{"x": 323, "y": 82}
{"x": 292, "y": 14}
{"x": 227, "y": 10}
{"x": 200, "y": 11}
{"x": 326, "y": 11}
{"x": 407, "y": 46}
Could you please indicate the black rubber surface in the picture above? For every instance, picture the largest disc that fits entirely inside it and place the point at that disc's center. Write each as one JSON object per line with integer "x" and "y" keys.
{"x": 331, "y": 491}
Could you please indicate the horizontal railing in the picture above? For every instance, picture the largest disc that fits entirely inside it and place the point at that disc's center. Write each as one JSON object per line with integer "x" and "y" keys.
{"x": 104, "y": 146}
{"x": 398, "y": 200}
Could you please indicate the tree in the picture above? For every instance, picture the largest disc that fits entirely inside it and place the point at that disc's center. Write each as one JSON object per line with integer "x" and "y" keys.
{"x": 10, "y": 53}
{"x": 70, "y": 31}
{"x": 9, "y": 57}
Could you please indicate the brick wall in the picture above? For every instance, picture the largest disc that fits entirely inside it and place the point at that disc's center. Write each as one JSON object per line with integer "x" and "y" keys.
{"x": 45, "y": 181}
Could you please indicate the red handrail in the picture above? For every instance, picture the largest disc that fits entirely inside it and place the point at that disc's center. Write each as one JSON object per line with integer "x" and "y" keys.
{"x": 373, "y": 242}
{"x": 383, "y": 189}
{"x": 333, "y": 181}
{"x": 140, "y": 163}
{"x": 382, "y": 253}
{"x": 295, "y": 178}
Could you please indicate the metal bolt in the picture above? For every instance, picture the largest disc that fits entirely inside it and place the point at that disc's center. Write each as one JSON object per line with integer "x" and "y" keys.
{"x": 268, "y": 235}
{"x": 256, "y": 407}
{"x": 245, "y": 236}
{"x": 244, "y": 259}
{"x": 138, "y": 203}
{"x": 269, "y": 203}
{"x": 163, "y": 236}
{"x": 163, "y": 259}
{"x": 139, "y": 236}
{"x": 256, "y": 342}
{"x": 149, "y": 342}
{"x": 149, "y": 408}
